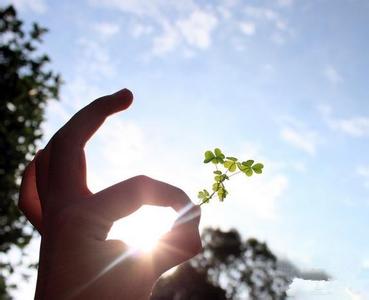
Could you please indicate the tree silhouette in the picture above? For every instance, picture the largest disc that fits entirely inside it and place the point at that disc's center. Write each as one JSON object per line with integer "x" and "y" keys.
{"x": 243, "y": 270}
{"x": 187, "y": 283}
{"x": 25, "y": 86}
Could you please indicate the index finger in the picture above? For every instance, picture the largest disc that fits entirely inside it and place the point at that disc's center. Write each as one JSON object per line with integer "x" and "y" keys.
{"x": 79, "y": 129}
{"x": 67, "y": 176}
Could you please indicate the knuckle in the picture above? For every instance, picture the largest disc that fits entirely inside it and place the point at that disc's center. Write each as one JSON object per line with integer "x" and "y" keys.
{"x": 142, "y": 179}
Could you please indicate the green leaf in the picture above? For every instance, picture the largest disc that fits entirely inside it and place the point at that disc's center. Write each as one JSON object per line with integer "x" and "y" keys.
{"x": 218, "y": 178}
{"x": 231, "y": 158}
{"x": 222, "y": 194}
{"x": 217, "y": 160}
{"x": 248, "y": 172}
{"x": 209, "y": 156}
{"x": 248, "y": 162}
{"x": 258, "y": 168}
{"x": 216, "y": 186}
{"x": 218, "y": 172}
{"x": 230, "y": 165}
{"x": 203, "y": 194}
{"x": 241, "y": 167}
{"x": 227, "y": 163}
{"x": 218, "y": 152}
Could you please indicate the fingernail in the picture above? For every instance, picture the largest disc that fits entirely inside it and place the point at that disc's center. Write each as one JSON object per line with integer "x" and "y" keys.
{"x": 126, "y": 93}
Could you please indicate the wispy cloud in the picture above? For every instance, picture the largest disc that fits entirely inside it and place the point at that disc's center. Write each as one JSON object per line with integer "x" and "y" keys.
{"x": 248, "y": 28}
{"x": 363, "y": 171}
{"x": 191, "y": 25}
{"x": 280, "y": 28}
{"x": 332, "y": 75}
{"x": 195, "y": 31}
{"x": 139, "y": 30}
{"x": 365, "y": 264}
{"x": 197, "y": 28}
{"x": 106, "y": 29}
{"x": 142, "y": 8}
{"x": 96, "y": 59}
{"x": 305, "y": 140}
{"x": 167, "y": 41}
{"x": 285, "y": 2}
{"x": 327, "y": 290}
{"x": 357, "y": 126}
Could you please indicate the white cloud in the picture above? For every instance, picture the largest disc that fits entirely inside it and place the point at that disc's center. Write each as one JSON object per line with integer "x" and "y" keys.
{"x": 305, "y": 140}
{"x": 365, "y": 264}
{"x": 197, "y": 28}
{"x": 357, "y": 126}
{"x": 139, "y": 30}
{"x": 137, "y": 7}
{"x": 155, "y": 9}
{"x": 106, "y": 29}
{"x": 280, "y": 27}
{"x": 332, "y": 75}
{"x": 363, "y": 171}
{"x": 37, "y": 6}
{"x": 96, "y": 59}
{"x": 180, "y": 24}
{"x": 247, "y": 28}
{"x": 321, "y": 290}
{"x": 167, "y": 41}
{"x": 260, "y": 195}
{"x": 265, "y": 14}
{"x": 285, "y": 2}
{"x": 195, "y": 31}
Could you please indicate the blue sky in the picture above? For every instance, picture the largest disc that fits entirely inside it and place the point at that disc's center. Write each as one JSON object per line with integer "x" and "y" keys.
{"x": 282, "y": 81}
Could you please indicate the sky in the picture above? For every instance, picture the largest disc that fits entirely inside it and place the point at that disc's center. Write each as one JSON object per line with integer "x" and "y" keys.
{"x": 283, "y": 82}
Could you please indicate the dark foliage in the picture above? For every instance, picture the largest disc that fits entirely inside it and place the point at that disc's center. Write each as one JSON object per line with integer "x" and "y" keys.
{"x": 187, "y": 283}
{"x": 240, "y": 269}
{"x": 25, "y": 87}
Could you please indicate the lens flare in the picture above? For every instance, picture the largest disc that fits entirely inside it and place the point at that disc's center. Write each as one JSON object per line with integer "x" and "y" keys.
{"x": 143, "y": 229}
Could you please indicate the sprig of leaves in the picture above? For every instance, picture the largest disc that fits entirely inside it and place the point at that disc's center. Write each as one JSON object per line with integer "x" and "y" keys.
{"x": 225, "y": 165}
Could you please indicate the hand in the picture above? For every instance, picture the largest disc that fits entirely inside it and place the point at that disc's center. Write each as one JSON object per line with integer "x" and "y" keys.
{"x": 76, "y": 260}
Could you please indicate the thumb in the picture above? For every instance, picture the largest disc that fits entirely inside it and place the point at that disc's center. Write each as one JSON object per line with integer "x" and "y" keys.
{"x": 181, "y": 243}
{"x": 29, "y": 201}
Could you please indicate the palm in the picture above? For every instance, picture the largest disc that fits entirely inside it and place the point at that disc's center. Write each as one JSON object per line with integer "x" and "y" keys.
{"x": 76, "y": 260}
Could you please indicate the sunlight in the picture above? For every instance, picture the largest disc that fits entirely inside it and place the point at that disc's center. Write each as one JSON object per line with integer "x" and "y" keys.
{"x": 143, "y": 229}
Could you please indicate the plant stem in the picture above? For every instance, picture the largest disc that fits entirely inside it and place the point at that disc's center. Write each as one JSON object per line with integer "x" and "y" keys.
{"x": 234, "y": 174}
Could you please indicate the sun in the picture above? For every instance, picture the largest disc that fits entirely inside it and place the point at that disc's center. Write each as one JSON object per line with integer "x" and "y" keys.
{"x": 143, "y": 229}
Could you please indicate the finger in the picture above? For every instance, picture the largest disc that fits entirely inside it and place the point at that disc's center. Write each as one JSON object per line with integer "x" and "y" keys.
{"x": 79, "y": 129}
{"x": 67, "y": 177}
{"x": 181, "y": 243}
{"x": 29, "y": 201}
{"x": 41, "y": 162}
{"x": 125, "y": 197}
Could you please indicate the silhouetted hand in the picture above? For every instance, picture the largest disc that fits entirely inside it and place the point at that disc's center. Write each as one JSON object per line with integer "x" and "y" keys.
{"x": 76, "y": 260}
